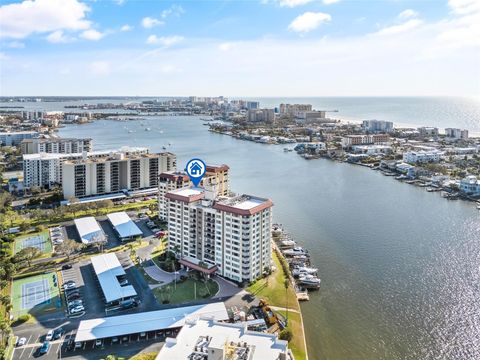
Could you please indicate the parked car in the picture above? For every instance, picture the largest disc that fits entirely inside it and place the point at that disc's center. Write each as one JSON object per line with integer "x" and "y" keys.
{"x": 115, "y": 340}
{"x": 44, "y": 348}
{"x": 98, "y": 342}
{"x": 58, "y": 333}
{"x": 77, "y": 310}
{"x": 143, "y": 335}
{"x": 75, "y": 296}
{"x": 125, "y": 339}
{"x": 124, "y": 282}
{"x": 78, "y": 345}
{"x": 70, "y": 345}
{"x": 21, "y": 341}
{"x": 69, "y": 286}
{"x": 49, "y": 335}
{"x": 74, "y": 303}
{"x": 66, "y": 266}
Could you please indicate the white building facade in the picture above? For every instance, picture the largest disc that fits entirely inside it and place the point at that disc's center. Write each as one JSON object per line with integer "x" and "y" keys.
{"x": 413, "y": 157}
{"x": 56, "y": 145}
{"x": 232, "y": 233}
{"x": 470, "y": 185}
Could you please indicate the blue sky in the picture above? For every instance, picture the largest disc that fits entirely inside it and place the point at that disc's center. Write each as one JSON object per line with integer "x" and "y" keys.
{"x": 240, "y": 48}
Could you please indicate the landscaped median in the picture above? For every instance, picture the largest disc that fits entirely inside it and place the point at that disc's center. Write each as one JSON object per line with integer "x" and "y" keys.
{"x": 272, "y": 288}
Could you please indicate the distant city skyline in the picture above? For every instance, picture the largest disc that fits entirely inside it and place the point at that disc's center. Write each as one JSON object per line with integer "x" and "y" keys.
{"x": 265, "y": 48}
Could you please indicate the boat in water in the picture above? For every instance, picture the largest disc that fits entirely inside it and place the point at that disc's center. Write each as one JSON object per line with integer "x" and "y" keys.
{"x": 303, "y": 270}
{"x": 309, "y": 281}
{"x": 295, "y": 251}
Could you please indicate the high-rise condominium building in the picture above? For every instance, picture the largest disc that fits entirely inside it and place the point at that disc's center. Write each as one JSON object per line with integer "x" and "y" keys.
{"x": 113, "y": 173}
{"x": 261, "y": 115}
{"x": 42, "y": 169}
{"x": 54, "y": 145}
{"x": 232, "y": 234}
{"x": 374, "y": 126}
{"x": 215, "y": 179}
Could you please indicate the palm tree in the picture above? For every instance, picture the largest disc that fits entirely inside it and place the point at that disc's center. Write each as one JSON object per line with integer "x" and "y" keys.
{"x": 286, "y": 283}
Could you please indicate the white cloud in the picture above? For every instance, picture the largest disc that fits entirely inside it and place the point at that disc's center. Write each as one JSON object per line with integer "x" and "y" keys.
{"x": 408, "y": 14}
{"x": 293, "y": 3}
{"x": 175, "y": 10}
{"x": 58, "y": 37}
{"x": 464, "y": 7}
{"x": 100, "y": 68}
{"x": 20, "y": 20}
{"x": 3, "y": 56}
{"x": 92, "y": 35}
{"x": 227, "y": 46}
{"x": 126, "y": 27}
{"x": 309, "y": 21}
{"x": 400, "y": 28}
{"x": 165, "y": 41}
{"x": 329, "y": 2}
{"x": 148, "y": 22}
{"x": 16, "y": 45}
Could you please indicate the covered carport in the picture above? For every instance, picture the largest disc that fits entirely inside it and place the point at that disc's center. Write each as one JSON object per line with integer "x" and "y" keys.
{"x": 133, "y": 324}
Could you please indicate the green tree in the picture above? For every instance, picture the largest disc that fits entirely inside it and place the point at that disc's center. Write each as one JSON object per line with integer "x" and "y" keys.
{"x": 286, "y": 284}
{"x": 69, "y": 247}
{"x": 286, "y": 334}
{"x": 28, "y": 254}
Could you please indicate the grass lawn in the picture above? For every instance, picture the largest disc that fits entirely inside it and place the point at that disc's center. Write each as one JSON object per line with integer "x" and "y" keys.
{"x": 272, "y": 288}
{"x": 53, "y": 305}
{"x": 45, "y": 244}
{"x": 297, "y": 343}
{"x": 185, "y": 291}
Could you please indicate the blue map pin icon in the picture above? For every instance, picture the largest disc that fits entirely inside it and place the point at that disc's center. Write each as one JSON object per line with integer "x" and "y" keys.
{"x": 196, "y": 169}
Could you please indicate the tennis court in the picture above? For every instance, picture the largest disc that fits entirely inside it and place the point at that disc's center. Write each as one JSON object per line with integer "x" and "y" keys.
{"x": 37, "y": 293}
{"x": 40, "y": 241}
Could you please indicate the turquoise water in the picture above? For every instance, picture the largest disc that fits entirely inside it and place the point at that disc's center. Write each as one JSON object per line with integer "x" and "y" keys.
{"x": 400, "y": 267}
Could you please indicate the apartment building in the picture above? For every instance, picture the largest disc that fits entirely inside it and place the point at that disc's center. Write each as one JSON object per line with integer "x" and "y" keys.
{"x": 55, "y": 145}
{"x": 294, "y": 109}
{"x": 215, "y": 179}
{"x": 261, "y": 115}
{"x": 425, "y": 131}
{"x": 456, "y": 134}
{"x": 470, "y": 185}
{"x": 15, "y": 138}
{"x": 232, "y": 234}
{"x": 413, "y": 157}
{"x": 373, "y": 126}
{"x": 376, "y": 139}
{"x": 42, "y": 169}
{"x": 124, "y": 170}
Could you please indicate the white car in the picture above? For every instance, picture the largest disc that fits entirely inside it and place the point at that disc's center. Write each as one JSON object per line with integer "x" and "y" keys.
{"x": 22, "y": 341}
{"x": 75, "y": 303}
{"x": 69, "y": 286}
{"x": 49, "y": 336}
{"x": 77, "y": 309}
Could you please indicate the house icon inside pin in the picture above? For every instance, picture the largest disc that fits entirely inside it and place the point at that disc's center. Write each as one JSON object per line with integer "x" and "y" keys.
{"x": 195, "y": 169}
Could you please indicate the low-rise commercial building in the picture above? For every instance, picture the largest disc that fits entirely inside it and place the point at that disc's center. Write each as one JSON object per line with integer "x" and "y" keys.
{"x": 372, "y": 149}
{"x": 233, "y": 233}
{"x": 207, "y": 339}
{"x": 111, "y": 277}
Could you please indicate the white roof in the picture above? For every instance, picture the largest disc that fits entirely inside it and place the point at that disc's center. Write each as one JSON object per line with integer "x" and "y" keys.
{"x": 249, "y": 203}
{"x": 124, "y": 225}
{"x": 262, "y": 346}
{"x": 89, "y": 230}
{"x": 187, "y": 191}
{"x": 107, "y": 268}
{"x": 147, "y": 321}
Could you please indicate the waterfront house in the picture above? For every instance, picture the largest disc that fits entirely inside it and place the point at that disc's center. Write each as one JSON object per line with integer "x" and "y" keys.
{"x": 470, "y": 185}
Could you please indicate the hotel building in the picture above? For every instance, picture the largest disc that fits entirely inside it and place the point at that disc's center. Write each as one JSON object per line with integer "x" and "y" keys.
{"x": 119, "y": 171}
{"x": 230, "y": 235}
{"x": 215, "y": 179}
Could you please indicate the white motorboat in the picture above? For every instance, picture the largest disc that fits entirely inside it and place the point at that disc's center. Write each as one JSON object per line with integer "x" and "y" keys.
{"x": 295, "y": 251}
{"x": 304, "y": 270}
{"x": 309, "y": 281}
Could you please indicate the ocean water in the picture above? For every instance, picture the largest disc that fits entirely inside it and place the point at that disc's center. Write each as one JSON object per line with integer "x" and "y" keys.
{"x": 400, "y": 267}
{"x": 441, "y": 112}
